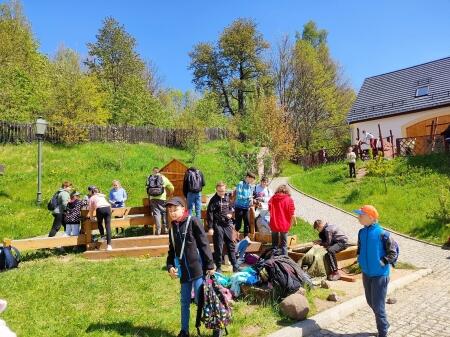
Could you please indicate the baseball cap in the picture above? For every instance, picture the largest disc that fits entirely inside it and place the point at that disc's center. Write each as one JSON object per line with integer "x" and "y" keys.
{"x": 91, "y": 187}
{"x": 74, "y": 193}
{"x": 176, "y": 201}
{"x": 368, "y": 210}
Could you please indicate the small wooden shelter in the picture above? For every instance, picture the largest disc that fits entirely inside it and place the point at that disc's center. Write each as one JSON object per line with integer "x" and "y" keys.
{"x": 175, "y": 171}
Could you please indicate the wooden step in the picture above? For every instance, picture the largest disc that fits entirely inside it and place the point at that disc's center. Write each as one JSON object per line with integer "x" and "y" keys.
{"x": 137, "y": 241}
{"x": 126, "y": 252}
{"x": 46, "y": 242}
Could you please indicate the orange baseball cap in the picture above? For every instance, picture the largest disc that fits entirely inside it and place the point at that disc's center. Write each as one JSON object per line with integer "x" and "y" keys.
{"x": 368, "y": 210}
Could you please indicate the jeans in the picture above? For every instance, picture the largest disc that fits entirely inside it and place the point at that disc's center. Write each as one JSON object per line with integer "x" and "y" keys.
{"x": 279, "y": 239}
{"x": 72, "y": 229}
{"x": 104, "y": 213}
{"x": 242, "y": 214}
{"x": 375, "y": 289}
{"x": 58, "y": 220}
{"x": 224, "y": 234}
{"x": 194, "y": 201}
{"x": 186, "y": 289}
{"x": 158, "y": 208}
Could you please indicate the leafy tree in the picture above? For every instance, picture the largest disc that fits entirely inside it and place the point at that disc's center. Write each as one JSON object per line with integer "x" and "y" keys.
{"x": 233, "y": 68}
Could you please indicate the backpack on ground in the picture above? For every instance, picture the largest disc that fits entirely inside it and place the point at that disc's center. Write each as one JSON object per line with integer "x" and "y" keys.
{"x": 9, "y": 258}
{"x": 155, "y": 185}
{"x": 194, "y": 179}
{"x": 53, "y": 203}
{"x": 385, "y": 237}
{"x": 213, "y": 308}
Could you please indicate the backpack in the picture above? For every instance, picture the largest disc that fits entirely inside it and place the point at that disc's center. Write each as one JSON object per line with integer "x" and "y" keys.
{"x": 194, "y": 180}
{"x": 9, "y": 258}
{"x": 385, "y": 237}
{"x": 155, "y": 185}
{"x": 213, "y": 308}
{"x": 53, "y": 203}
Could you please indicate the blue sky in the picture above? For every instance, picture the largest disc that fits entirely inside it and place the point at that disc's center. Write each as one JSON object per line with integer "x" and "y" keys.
{"x": 366, "y": 37}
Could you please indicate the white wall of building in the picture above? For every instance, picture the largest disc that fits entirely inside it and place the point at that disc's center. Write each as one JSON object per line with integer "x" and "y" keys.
{"x": 397, "y": 124}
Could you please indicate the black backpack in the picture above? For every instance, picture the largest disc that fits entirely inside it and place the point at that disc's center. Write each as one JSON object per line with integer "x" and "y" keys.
{"x": 195, "y": 182}
{"x": 155, "y": 185}
{"x": 9, "y": 258}
{"x": 53, "y": 203}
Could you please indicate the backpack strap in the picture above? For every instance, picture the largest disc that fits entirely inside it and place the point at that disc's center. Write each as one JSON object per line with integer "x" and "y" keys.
{"x": 184, "y": 238}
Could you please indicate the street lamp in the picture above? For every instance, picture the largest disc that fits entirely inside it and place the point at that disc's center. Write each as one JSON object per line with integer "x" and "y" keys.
{"x": 41, "y": 126}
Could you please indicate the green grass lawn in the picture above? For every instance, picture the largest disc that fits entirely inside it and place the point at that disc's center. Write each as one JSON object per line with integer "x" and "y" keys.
{"x": 411, "y": 198}
{"x": 86, "y": 164}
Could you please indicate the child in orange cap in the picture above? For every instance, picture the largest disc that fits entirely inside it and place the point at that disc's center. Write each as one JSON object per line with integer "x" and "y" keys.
{"x": 374, "y": 256}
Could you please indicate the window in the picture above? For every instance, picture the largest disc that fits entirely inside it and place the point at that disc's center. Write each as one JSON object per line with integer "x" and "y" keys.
{"x": 422, "y": 91}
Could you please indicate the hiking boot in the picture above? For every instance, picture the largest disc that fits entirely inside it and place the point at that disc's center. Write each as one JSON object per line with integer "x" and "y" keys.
{"x": 334, "y": 276}
{"x": 183, "y": 334}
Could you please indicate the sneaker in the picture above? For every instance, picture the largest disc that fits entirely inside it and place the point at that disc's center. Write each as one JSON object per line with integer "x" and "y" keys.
{"x": 183, "y": 334}
{"x": 109, "y": 247}
{"x": 334, "y": 276}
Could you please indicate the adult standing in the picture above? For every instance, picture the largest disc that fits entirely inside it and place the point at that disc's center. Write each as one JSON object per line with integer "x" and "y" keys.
{"x": 102, "y": 208}
{"x": 243, "y": 202}
{"x": 282, "y": 209}
{"x": 193, "y": 184}
{"x": 62, "y": 199}
{"x": 158, "y": 186}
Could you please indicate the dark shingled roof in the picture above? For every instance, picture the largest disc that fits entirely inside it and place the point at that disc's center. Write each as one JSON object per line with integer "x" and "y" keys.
{"x": 395, "y": 92}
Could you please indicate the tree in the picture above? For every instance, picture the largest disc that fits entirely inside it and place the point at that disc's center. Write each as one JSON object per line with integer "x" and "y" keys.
{"x": 234, "y": 67}
{"x": 24, "y": 81}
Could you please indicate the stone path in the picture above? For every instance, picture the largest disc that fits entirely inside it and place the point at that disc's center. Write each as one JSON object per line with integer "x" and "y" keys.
{"x": 422, "y": 308}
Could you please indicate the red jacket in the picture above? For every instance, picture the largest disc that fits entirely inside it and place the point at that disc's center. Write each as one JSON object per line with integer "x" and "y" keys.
{"x": 281, "y": 208}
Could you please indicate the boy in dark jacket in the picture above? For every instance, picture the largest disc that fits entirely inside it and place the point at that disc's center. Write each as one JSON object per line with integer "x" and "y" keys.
{"x": 374, "y": 256}
{"x": 193, "y": 184}
{"x": 220, "y": 225}
{"x": 189, "y": 256}
{"x": 334, "y": 241}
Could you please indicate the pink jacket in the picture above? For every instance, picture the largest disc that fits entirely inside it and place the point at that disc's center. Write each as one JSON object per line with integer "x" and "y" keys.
{"x": 97, "y": 201}
{"x": 281, "y": 208}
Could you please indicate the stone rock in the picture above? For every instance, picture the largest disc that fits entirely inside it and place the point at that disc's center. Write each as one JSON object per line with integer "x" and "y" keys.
{"x": 324, "y": 284}
{"x": 391, "y": 300}
{"x": 333, "y": 297}
{"x": 295, "y": 307}
{"x": 301, "y": 291}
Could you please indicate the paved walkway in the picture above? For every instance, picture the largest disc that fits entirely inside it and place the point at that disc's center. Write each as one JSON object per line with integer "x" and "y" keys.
{"x": 422, "y": 308}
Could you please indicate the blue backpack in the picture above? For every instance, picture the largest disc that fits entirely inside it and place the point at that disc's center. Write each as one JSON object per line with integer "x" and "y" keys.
{"x": 9, "y": 258}
{"x": 385, "y": 237}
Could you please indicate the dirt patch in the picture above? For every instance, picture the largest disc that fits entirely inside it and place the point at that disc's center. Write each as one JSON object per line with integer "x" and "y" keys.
{"x": 251, "y": 331}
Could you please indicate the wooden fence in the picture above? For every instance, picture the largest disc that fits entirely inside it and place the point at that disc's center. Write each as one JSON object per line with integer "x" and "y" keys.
{"x": 413, "y": 146}
{"x": 24, "y": 133}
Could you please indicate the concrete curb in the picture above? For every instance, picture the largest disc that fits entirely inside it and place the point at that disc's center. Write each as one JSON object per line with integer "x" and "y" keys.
{"x": 328, "y": 317}
{"x": 353, "y": 215}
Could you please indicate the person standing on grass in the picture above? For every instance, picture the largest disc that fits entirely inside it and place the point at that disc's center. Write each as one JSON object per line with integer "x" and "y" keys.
{"x": 158, "y": 186}
{"x": 282, "y": 210}
{"x": 374, "y": 256}
{"x": 220, "y": 224}
{"x": 102, "y": 209}
{"x": 117, "y": 195}
{"x": 72, "y": 217}
{"x": 351, "y": 159}
{"x": 58, "y": 212}
{"x": 188, "y": 257}
{"x": 243, "y": 202}
{"x": 193, "y": 184}
{"x": 334, "y": 241}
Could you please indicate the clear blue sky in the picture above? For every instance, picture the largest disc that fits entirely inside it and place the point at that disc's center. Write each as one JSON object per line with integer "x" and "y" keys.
{"x": 366, "y": 37}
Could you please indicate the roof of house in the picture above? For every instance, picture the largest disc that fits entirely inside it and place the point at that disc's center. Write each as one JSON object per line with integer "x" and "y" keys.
{"x": 395, "y": 92}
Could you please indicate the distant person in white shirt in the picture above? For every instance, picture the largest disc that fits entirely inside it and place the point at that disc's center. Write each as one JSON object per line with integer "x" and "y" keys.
{"x": 370, "y": 139}
{"x": 351, "y": 159}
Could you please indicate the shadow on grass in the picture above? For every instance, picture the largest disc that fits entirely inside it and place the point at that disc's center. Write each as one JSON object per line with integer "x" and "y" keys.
{"x": 128, "y": 329}
{"x": 4, "y": 195}
{"x": 46, "y": 253}
{"x": 431, "y": 229}
{"x": 439, "y": 162}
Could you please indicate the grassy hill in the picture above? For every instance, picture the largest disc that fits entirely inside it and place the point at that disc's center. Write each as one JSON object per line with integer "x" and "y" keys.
{"x": 412, "y": 203}
{"x": 84, "y": 165}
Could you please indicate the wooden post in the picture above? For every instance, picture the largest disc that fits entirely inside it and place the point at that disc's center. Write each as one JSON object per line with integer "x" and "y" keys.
{"x": 381, "y": 139}
{"x": 251, "y": 219}
{"x": 392, "y": 144}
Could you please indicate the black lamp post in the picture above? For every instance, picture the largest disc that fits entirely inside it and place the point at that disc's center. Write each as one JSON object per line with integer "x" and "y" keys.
{"x": 41, "y": 127}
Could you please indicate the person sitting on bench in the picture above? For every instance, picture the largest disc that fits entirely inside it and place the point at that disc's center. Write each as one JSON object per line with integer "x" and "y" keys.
{"x": 334, "y": 241}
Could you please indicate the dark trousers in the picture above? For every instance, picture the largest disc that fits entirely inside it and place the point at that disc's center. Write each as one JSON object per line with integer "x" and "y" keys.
{"x": 331, "y": 255}
{"x": 104, "y": 214}
{"x": 279, "y": 239}
{"x": 242, "y": 214}
{"x": 352, "y": 169}
{"x": 375, "y": 289}
{"x": 224, "y": 234}
{"x": 58, "y": 221}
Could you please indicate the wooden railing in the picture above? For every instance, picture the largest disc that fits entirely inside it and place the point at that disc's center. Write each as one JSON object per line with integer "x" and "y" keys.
{"x": 412, "y": 146}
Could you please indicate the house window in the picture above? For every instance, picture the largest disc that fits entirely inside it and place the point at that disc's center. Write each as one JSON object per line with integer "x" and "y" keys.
{"x": 422, "y": 91}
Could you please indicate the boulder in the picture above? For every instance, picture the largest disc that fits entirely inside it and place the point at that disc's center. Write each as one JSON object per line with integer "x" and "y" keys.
{"x": 333, "y": 297}
{"x": 295, "y": 307}
{"x": 324, "y": 284}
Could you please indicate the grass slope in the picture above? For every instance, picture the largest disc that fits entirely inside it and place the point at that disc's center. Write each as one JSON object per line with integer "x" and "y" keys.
{"x": 413, "y": 192}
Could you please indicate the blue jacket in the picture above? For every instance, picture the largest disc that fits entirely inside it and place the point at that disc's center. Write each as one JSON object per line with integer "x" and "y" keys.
{"x": 372, "y": 251}
{"x": 244, "y": 195}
